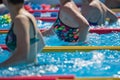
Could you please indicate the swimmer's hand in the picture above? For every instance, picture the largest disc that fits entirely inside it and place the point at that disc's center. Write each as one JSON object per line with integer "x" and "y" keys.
{"x": 48, "y": 32}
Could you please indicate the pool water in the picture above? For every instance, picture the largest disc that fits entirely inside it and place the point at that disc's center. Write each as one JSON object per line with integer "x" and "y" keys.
{"x": 99, "y": 63}
{"x": 93, "y": 39}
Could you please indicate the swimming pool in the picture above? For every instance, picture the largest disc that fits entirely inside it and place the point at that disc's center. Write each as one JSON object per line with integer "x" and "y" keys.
{"x": 98, "y": 63}
{"x": 111, "y": 39}
{"x": 93, "y": 39}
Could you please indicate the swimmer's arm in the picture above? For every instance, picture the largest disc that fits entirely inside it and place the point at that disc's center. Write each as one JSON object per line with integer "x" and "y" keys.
{"x": 21, "y": 30}
{"x": 111, "y": 15}
{"x": 40, "y": 44}
{"x": 48, "y": 32}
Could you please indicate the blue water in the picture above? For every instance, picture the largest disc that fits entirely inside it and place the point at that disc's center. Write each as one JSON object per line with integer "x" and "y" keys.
{"x": 100, "y": 63}
{"x": 93, "y": 39}
{"x": 112, "y": 39}
{"x": 46, "y": 25}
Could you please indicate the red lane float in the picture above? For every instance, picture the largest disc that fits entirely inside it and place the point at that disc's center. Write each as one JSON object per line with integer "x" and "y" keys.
{"x": 69, "y": 77}
{"x": 43, "y": 11}
{"x": 50, "y": 19}
{"x": 104, "y": 30}
{"x": 57, "y": 10}
{"x": 46, "y": 19}
{"x": 4, "y": 47}
{"x": 94, "y": 30}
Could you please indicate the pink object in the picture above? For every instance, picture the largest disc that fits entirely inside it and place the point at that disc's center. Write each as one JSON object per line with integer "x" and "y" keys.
{"x": 53, "y": 77}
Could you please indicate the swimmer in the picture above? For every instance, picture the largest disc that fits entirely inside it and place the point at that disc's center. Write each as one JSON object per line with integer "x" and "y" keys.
{"x": 23, "y": 40}
{"x": 70, "y": 25}
{"x": 96, "y": 12}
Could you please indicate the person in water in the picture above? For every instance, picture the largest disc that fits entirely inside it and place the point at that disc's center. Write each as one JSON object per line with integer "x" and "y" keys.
{"x": 24, "y": 40}
{"x": 70, "y": 26}
{"x": 96, "y": 12}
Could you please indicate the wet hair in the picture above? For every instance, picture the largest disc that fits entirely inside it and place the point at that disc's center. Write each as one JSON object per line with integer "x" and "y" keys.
{"x": 16, "y": 1}
{"x": 1, "y": 2}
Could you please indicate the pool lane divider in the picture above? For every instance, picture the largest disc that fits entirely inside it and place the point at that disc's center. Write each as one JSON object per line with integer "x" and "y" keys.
{"x": 93, "y": 30}
{"x": 104, "y": 30}
{"x": 50, "y": 19}
{"x": 50, "y": 77}
{"x": 72, "y": 48}
{"x": 46, "y": 19}
{"x": 44, "y": 11}
{"x": 55, "y": 78}
{"x": 117, "y": 10}
{"x": 78, "y": 48}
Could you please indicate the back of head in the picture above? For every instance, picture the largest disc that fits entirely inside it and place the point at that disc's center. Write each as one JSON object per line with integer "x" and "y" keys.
{"x": 16, "y": 1}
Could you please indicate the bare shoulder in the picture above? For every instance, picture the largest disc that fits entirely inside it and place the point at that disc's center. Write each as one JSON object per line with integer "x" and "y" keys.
{"x": 21, "y": 21}
{"x": 68, "y": 7}
{"x": 95, "y": 4}
{"x": 21, "y": 18}
{"x": 21, "y": 24}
